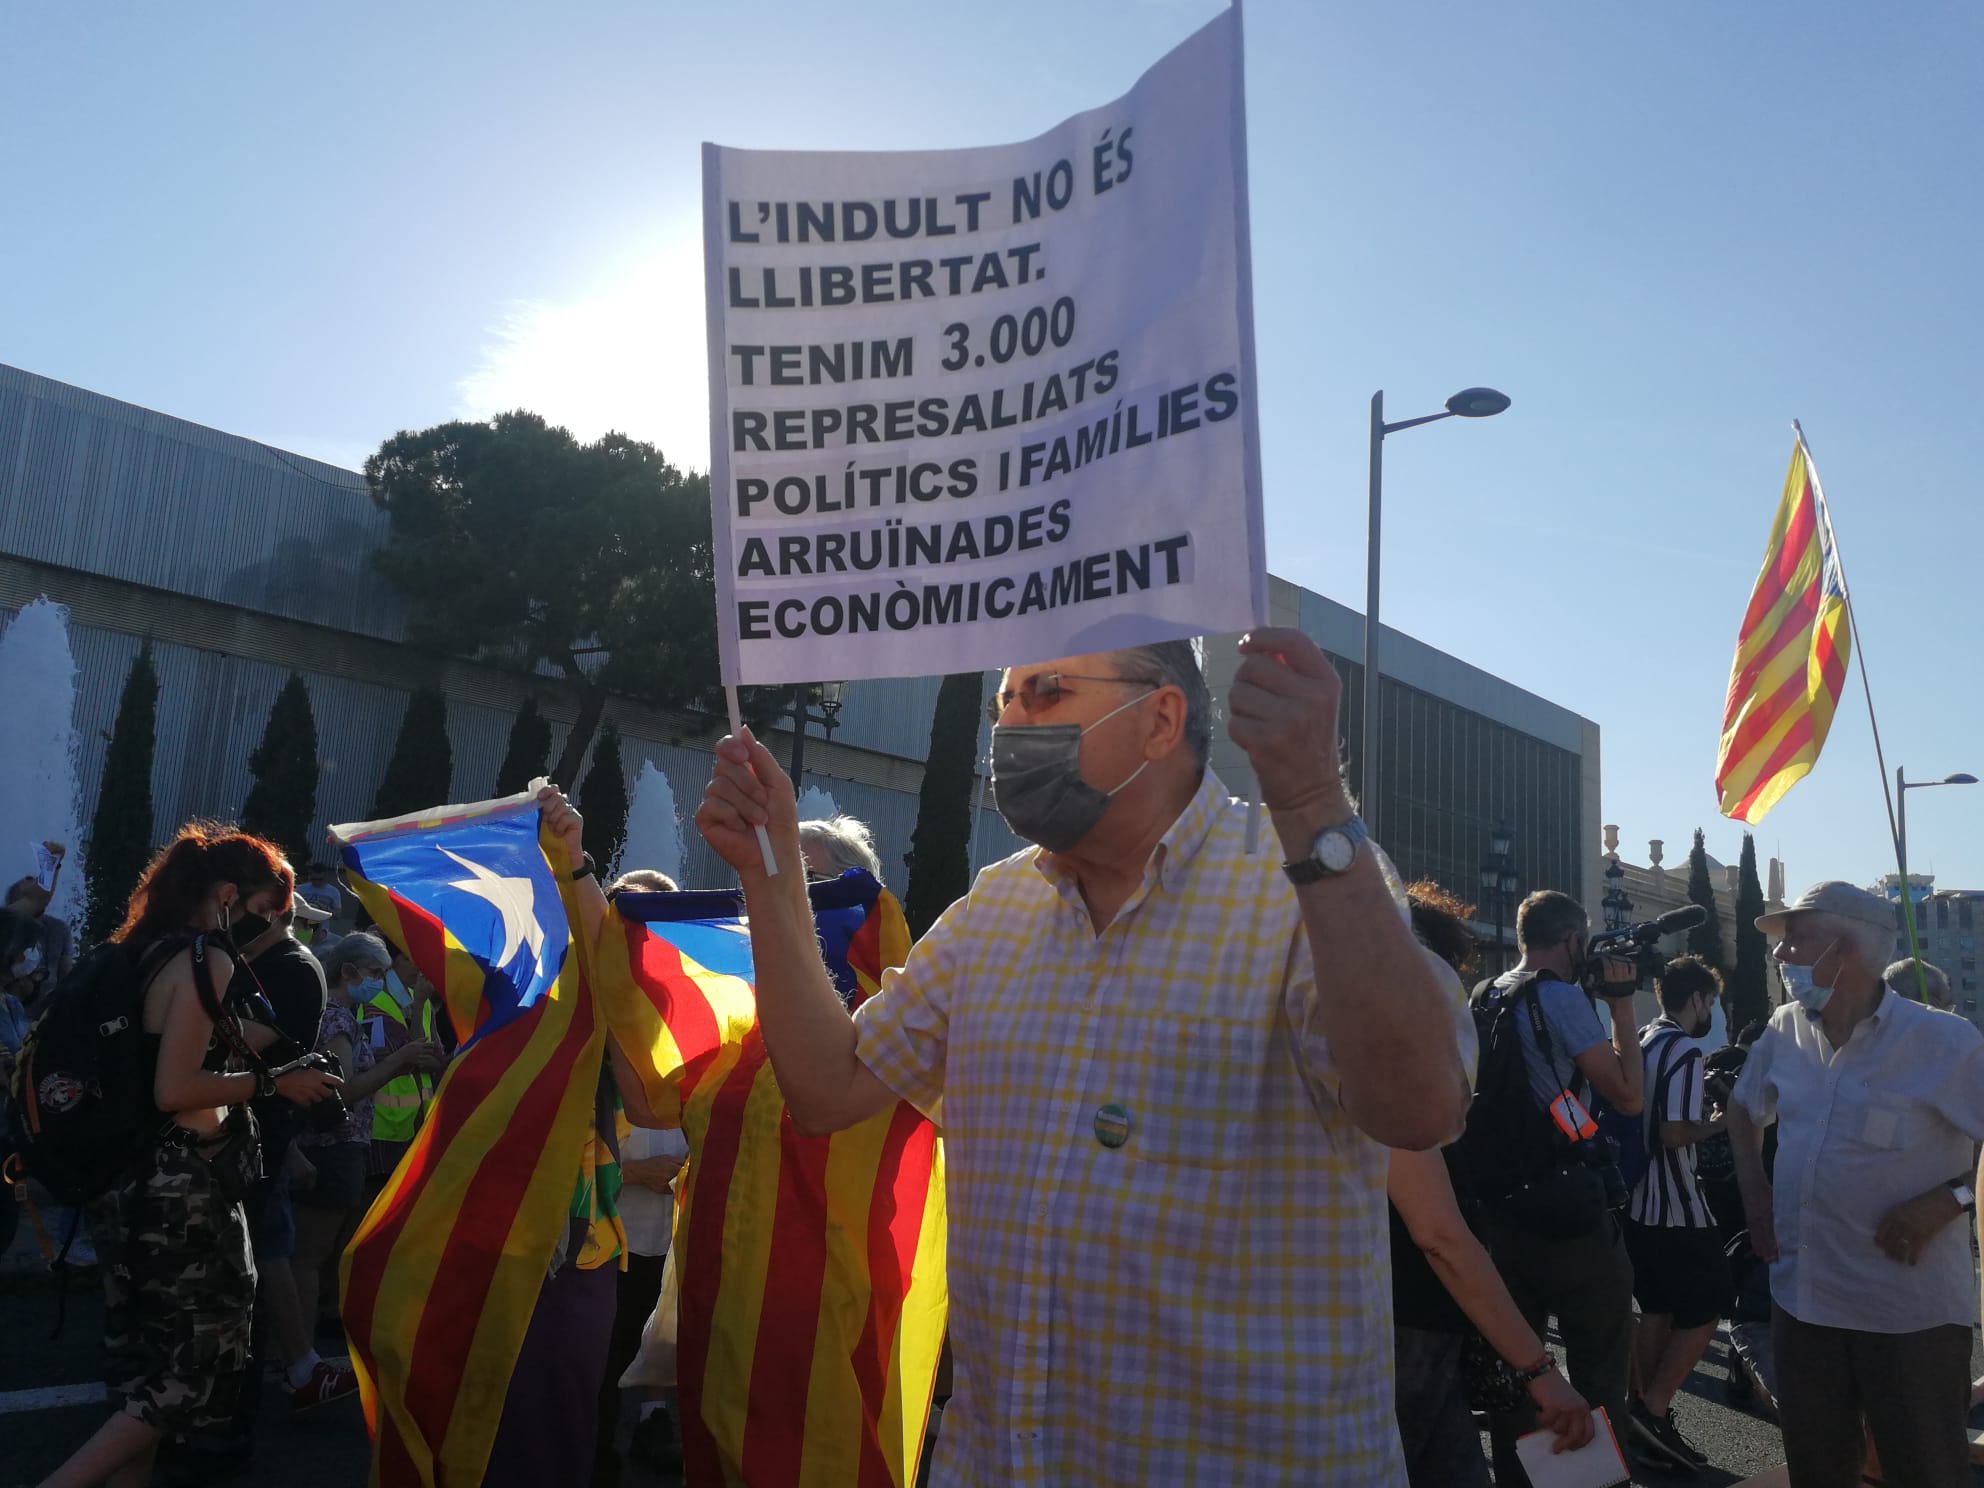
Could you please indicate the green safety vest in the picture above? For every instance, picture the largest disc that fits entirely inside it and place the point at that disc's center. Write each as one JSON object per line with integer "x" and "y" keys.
{"x": 398, "y": 1104}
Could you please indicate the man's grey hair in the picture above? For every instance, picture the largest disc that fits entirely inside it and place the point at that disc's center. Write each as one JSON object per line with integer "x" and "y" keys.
{"x": 360, "y": 949}
{"x": 1176, "y": 664}
{"x": 1900, "y": 978}
{"x": 845, "y": 840}
{"x": 1869, "y": 944}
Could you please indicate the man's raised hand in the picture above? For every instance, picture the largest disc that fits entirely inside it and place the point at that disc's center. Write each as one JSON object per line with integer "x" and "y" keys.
{"x": 747, "y": 791}
{"x": 1282, "y": 710}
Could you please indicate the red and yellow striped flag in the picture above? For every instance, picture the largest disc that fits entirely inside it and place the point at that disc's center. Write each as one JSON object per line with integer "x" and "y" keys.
{"x": 1791, "y": 656}
{"x": 440, "y": 1280}
{"x": 813, "y": 1295}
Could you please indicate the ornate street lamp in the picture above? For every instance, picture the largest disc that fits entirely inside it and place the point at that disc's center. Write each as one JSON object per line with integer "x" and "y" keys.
{"x": 831, "y": 695}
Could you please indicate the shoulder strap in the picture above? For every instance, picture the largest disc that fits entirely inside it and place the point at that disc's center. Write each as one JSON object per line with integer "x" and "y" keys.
{"x": 226, "y": 1024}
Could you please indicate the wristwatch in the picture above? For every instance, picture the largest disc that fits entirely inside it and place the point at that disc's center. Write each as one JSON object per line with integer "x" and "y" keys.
{"x": 587, "y": 868}
{"x": 1966, "y": 1196}
{"x": 1330, "y": 855}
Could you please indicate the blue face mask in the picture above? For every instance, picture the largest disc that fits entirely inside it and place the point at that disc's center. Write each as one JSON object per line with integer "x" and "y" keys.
{"x": 1804, "y": 986}
{"x": 398, "y": 988}
{"x": 368, "y": 989}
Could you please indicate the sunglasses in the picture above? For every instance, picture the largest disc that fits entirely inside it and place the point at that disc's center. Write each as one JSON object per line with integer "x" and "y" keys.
{"x": 1043, "y": 690}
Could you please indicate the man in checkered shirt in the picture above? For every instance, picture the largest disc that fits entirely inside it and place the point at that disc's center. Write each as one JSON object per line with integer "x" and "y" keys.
{"x": 1166, "y": 1072}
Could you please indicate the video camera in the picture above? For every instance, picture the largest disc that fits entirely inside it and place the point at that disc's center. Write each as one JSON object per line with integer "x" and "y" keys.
{"x": 1640, "y": 943}
{"x": 328, "y": 1114}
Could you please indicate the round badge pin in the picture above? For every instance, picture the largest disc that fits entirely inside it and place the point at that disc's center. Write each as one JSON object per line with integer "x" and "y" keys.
{"x": 1112, "y": 1125}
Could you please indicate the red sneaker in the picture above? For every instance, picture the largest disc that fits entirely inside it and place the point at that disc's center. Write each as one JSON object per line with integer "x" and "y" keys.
{"x": 327, "y": 1382}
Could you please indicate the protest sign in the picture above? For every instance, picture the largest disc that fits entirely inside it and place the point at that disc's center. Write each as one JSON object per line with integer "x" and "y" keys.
{"x": 985, "y": 406}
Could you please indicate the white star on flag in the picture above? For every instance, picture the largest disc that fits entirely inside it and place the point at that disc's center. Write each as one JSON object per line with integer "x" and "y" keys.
{"x": 512, "y": 898}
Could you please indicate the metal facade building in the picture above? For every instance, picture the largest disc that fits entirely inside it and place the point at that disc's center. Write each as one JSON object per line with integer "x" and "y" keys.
{"x": 243, "y": 562}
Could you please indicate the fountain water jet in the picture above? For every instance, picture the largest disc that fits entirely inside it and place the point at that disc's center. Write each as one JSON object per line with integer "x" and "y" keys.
{"x": 654, "y": 831}
{"x": 38, "y": 751}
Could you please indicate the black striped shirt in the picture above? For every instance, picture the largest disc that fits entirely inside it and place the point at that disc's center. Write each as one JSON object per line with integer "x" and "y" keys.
{"x": 1668, "y": 1194}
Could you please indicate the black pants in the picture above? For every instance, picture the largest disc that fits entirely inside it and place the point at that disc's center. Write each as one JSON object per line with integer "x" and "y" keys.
{"x": 1586, "y": 1283}
{"x": 639, "y": 1290}
{"x": 1442, "y": 1448}
{"x": 1912, "y": 1388}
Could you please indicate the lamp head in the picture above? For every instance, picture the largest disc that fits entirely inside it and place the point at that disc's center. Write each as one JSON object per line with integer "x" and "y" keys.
{"x": 1477, "y": 402}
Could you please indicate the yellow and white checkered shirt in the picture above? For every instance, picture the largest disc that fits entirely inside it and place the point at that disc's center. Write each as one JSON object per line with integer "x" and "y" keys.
{"x": 1208, "y": 1302}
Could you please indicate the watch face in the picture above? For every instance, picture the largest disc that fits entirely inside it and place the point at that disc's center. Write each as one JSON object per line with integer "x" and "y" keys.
{"x": 1334, "y": 849}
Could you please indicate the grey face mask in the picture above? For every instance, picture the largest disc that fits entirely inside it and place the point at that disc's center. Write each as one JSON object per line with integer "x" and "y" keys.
{"x": 1037, "y": 783}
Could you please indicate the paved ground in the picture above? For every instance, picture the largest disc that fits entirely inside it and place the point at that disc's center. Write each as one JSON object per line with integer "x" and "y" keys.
{"x": 50, "y": 1400}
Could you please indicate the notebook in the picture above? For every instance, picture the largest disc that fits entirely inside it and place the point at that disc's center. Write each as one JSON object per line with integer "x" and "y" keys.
{"x": 1597, "y": 1464}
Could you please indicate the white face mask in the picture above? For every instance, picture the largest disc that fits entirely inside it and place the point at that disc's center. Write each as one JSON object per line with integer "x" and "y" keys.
{"x": 1805, "y": 987}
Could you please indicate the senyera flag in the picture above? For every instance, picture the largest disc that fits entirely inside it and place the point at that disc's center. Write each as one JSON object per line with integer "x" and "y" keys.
{"x": 1791, "y": 656}
{"x": 813, "y": 1293}
{"x": 440, "y": 1279}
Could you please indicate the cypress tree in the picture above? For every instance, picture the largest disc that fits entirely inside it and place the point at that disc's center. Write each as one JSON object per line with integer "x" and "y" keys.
{"x": 1705, "y": 940}
{"x": 940, "y": 847}
{"x": 283, "y": 799}
{"x": 529, "y": 751}
{"x": 423, "y": 763}
{"x": 1748, "y": 998}
{"x": 603, "y": 802}
{"x": 120, "y": 842}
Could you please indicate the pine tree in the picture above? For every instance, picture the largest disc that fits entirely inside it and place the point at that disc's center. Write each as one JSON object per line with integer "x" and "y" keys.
{"x": 529, "y": 751}
{"x": 1748, "y": 998}
{"x": 423, "y": 763}
{"x": 121, "y": 831}
{"x": 603, "y": 801}
{"x": 1705, "y": 940}
{"x": 283, "y": 799}
{"x": 940, "y": 847}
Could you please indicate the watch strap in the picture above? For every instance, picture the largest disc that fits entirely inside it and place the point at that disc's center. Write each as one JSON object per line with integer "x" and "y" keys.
{"x": 587, "y": 868}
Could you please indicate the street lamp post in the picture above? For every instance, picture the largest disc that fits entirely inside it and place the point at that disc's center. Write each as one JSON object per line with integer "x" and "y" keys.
{"x": 1618, "y": 908}
{"x": 1902, "y": 786}
{"x": 1498, "y": 886}
{"x": 1475, "y": 402}
{"x": 831, "y": 695}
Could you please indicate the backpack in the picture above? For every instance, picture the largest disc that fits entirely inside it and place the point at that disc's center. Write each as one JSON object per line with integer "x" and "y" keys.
{"x": 83, "y": 1112}
{"x": 1627, "y": 1136}
{"x": 1509, "y": 1141}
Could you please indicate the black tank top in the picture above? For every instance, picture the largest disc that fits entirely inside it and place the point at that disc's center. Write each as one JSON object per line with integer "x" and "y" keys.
{"x": 1419, "y": 1300}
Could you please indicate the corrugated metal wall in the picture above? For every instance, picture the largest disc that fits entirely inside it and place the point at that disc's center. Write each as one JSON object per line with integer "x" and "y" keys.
{"x": 90, "y": 483}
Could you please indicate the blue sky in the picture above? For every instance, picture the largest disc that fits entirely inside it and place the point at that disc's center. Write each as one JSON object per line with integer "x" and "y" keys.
{"x": 1664, "y": 231}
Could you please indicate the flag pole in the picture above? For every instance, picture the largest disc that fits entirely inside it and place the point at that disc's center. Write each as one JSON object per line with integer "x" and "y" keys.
{"x": 737, "y": 731}
{"x": 1873, "y": 723}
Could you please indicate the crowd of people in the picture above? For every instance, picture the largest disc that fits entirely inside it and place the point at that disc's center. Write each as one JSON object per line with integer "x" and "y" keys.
{"x": 1246, "y": 1182}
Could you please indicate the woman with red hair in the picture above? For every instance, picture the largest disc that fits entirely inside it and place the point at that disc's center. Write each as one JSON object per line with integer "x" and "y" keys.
{"x": 178, "y": 1274}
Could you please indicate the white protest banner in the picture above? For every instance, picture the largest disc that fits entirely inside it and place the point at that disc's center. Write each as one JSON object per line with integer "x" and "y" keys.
{"x": 986, "y": 406}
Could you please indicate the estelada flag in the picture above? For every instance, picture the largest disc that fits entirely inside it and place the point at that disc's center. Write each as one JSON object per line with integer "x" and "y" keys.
{"x": 813, "y": 1293}
{"x": 1791, "y": 656}
{"x": 438, "y": 1284}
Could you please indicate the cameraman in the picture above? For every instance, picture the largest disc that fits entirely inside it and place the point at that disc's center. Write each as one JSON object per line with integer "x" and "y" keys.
{"x": 1583, "y": 1279}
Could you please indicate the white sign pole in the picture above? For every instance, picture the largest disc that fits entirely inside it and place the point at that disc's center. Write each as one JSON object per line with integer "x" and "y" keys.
{"x": 764, "y": 837}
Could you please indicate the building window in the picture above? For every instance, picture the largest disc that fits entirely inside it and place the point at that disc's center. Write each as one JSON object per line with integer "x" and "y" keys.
{"x": 1963, "y": 914}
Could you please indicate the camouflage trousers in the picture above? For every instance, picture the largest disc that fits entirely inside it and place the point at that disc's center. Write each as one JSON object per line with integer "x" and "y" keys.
{"x": 179, "y": 1292}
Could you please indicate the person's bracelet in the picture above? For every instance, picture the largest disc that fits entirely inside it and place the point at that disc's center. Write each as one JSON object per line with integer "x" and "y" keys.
{"x": 1537, "y": 1370}
{"x": 265, "y": 1081}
